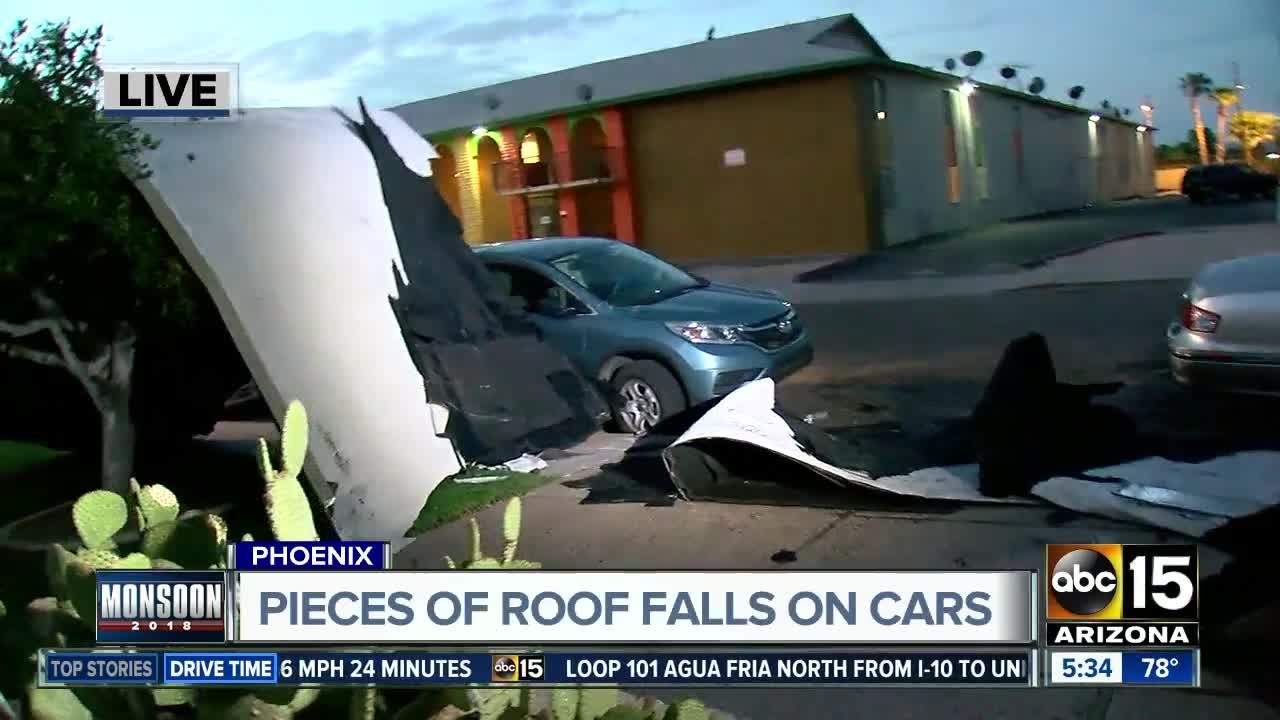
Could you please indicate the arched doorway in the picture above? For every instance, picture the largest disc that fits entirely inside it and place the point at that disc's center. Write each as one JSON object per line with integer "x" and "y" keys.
{"x": 591, "y": 162}
{"x": 444, "y": 171}
{"x": 537, "y": 158}
{"x": 538, "y": 168}
{"x": 495, "y": 218}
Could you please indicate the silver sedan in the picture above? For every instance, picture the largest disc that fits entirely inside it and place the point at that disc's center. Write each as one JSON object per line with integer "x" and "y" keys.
{"x": 1227, "y": 337}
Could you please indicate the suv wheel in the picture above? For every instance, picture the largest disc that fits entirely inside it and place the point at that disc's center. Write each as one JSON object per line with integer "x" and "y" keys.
{"x": 644, "y": 394}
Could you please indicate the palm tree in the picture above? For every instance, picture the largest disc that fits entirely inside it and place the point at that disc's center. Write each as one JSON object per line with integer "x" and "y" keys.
{"x": 1252, "y": 128}
{"x": 1225, "y": 97}
{"x": 1194, "y": 85}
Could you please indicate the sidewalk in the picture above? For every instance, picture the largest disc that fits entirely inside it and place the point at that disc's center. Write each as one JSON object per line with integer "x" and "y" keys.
{"x": 1168, "y": 256}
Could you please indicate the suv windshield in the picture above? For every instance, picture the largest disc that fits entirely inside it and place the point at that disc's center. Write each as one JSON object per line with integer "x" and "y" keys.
{"x": 623, "y": 276}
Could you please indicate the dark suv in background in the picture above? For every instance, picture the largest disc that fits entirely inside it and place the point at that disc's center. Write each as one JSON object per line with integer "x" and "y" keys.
{"x": 1203, "y": 183}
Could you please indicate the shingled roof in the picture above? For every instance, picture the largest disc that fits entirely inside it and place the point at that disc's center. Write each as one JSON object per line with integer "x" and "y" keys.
{"x": 831, "y": 40}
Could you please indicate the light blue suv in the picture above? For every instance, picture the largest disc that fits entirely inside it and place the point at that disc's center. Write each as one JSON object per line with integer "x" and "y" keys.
{"x": 659, "y": 339}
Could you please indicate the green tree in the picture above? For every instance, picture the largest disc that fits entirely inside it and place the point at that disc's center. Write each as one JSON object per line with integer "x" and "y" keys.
{"x": 1225, "y": 98}
{"x": 1195, "y": 86}
{"x": 83, "y": 262}
{"x": 1252, "y": 128}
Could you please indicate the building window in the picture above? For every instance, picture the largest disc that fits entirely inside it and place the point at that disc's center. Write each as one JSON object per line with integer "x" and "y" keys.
{"x": 979, "y": 147}
{"x": 952, "y": 151}
{"x": 530, "y": 153}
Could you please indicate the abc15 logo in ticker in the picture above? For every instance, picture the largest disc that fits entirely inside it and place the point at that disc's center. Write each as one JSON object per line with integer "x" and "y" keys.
{"x": 517, "y": 668}
{"x": 1122, "y": 582}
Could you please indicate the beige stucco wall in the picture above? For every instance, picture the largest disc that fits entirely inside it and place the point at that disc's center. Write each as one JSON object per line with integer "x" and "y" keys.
{"x": 799, "y": 188}
{"x": 1062, "y": 168}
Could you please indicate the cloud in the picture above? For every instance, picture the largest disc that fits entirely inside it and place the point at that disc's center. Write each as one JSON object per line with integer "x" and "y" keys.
{"x": 405, "y": 60}
{"x": 508, "y": 29}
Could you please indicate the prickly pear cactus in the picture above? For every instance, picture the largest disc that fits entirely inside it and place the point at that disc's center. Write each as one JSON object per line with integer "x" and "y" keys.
{"x": 626, "y": 712}
{"x": 477, "y": 560}
{"x": 156, "y": 504}
{"x": 564, "y": 704}
{"x": 287, "y": 504}
{"x": 593, "y": 703}
{"x": 364, "y": 704}
{"x": 98, "y": 516}
{"x": 194, "y": 543}
{"x": 687, "y": 709}
{"x": 511, "y": 530}
{"x": 494, "y": 703}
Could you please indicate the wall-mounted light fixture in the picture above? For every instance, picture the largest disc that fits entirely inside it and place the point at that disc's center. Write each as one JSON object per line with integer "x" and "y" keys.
{"x": 880, "y": 115}
{"x": 967, "y": 88}
{"x": 1094, "y": 118}
{"x": 479, "y": 130}
{"x": 1273, "y": 156}
{"x": 1142, "y": 128}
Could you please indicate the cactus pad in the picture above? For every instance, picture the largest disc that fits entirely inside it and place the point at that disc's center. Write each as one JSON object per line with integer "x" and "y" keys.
{"x": 82, "y": 589}
{"x": 156, "y": 504}
{"x": 477, "y": 550}
{"x": 593, "y": 703}
{"x": 625, "y": 712}
{"x": 132, "y": 561}
{"x": 287, "y": 505}
{"x": 687, "y": 709}
{"x": 564, "y": 703}
{"x": 293, "y": 439}
{"x": 97, "y": 558}
{"x": 190, "y": 543}
{"x": 98, "y": 516}
{"x": 170, "y": 697}
{"x": 511, "y": 530}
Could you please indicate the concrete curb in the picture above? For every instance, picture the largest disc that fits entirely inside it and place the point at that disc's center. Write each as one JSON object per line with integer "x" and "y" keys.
{"x": 1050, "y": 257}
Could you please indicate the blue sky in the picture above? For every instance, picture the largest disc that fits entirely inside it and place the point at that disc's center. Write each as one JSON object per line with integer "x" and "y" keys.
{"x": 319, "y": 52}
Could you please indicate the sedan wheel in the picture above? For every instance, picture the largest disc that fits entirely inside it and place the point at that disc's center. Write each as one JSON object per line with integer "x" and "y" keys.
{"x": 640, "y": 406}
{"x": 644, "y": 394}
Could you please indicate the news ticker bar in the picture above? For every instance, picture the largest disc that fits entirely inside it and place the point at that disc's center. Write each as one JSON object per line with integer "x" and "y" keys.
{"x": 183, "y": 668}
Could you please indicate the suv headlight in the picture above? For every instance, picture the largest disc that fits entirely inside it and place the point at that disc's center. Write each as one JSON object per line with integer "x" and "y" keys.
{"x": 697, "y": 332}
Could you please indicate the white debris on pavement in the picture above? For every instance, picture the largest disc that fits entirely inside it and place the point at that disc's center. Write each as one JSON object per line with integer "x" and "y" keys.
{"x": 526, "y": 463}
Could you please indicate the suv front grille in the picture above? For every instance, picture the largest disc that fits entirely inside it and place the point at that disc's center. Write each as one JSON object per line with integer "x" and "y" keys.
{"x": 776, "y": 333}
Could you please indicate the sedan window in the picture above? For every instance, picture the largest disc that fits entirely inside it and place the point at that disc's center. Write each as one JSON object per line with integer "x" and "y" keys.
{"x": 531, "y": 291}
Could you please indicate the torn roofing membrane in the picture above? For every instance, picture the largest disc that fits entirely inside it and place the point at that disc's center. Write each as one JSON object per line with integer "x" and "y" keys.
{"x": 345, "y": 283}
{"x": 508, "y": 392}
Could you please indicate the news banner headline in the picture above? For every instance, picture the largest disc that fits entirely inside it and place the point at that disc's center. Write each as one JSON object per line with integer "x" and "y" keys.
{"x": 299, "y": 593}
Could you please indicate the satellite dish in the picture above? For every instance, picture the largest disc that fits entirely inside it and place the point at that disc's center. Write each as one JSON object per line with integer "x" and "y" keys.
{"x": 1106, "y": 104}
{"x": 1008, "y": 73}
{"x": 585, "y": 92}
{"x": 950, "y": 64}
{"x": 1037, "y": 86}
{"x": 492, "y": 102}
{"x": 972, "y": 58}
{"x": 1075, "y": 92}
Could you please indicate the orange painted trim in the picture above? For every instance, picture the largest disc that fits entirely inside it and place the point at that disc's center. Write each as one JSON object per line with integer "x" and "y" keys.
{"x": 624, "y": 223}
{"x": 562, "y": 149}
{"x": 516, "y": 203}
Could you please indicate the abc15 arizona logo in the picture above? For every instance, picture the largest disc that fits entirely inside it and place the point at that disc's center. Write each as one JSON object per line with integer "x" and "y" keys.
{"x": 1131, "y": 594}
